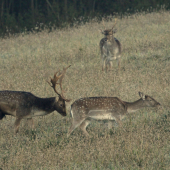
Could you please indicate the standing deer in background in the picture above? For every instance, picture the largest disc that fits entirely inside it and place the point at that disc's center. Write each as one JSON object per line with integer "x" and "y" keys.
{"x": 24, "y": 105}
{"x": 105, "y": 108}
{"x": 110, "y": 48}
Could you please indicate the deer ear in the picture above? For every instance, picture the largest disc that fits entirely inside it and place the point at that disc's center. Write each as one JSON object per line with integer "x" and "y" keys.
{"x": 101, "y": 31}
{"x": 142, "y": 95}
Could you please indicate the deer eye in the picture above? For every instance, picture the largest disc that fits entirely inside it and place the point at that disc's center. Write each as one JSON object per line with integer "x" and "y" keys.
{"x": 61, "y": 105}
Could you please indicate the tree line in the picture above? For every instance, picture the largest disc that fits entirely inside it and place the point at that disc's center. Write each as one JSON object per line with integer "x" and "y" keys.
{"x": 18, "y": 16}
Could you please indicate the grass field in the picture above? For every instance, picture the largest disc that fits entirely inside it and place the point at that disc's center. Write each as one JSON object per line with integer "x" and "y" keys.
{"x": 27, "y": 61}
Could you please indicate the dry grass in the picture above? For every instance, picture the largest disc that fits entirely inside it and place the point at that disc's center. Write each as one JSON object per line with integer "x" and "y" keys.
{"x": 27, "y": 61}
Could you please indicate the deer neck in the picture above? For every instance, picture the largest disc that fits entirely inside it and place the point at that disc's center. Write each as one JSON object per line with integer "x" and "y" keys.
{"x": 110, "y": 38}
{"x": 45, "y": 104}
{"x": 134, "y": 106}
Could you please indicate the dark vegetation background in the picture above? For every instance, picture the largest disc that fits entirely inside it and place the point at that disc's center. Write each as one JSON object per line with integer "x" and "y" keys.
{"x": 21, "y": 16}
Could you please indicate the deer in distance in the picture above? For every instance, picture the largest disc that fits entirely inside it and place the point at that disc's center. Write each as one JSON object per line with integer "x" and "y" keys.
{"x": 110, "y": 48}
{"x": 105, "y": 108}
{"x": 24, "y": 105}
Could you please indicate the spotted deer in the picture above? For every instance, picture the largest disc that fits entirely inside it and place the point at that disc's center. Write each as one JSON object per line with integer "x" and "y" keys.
{"x": 24, "y": 105}
{"x": 105, "y": 108}
{"x": 110, "y": 48}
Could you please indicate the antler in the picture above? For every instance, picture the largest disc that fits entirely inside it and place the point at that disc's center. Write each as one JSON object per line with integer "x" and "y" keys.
{"x": 62, "y": 76}
{"x": 114, "y": 23}
{"x": 55, "y": 79}
{"x": 104, "y": 24}
{"x": 104, "y": 27}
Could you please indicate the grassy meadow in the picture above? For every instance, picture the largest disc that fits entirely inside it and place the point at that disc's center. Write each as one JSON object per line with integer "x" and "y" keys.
{"x": 28, "y": 60}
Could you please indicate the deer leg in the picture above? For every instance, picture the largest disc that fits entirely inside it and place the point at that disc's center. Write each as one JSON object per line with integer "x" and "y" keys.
{"x": 83, "y": 127}
{"x": 110, "y": 123}
{"x": 104, "y": 63}
{"x": 110, "y": 65}
{"x": 118, "y": 62}
{"x": 31, "y": 122}
{"x": 16, "y": 124}
{"x": 120, "y": 123}
{"x": 74, "y": 125}
{"x": 107, "y": 65}
{"x": 2, "y": 115}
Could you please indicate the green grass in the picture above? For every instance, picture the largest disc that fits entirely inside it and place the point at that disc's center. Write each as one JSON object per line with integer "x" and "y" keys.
{"x": 27, "y": 61}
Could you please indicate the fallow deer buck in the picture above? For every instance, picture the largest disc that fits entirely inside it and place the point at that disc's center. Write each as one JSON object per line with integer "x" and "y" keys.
{"x": 110, "y": 48}
{"x": 24, "y": 105}
{"x": 105, "y": 108}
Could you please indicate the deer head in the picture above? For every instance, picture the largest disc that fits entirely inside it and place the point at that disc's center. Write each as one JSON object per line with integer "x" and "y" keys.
{"x": 109, "y": 32}
{"x": 59, "y": 105}
{"x": 148, "y": 101}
